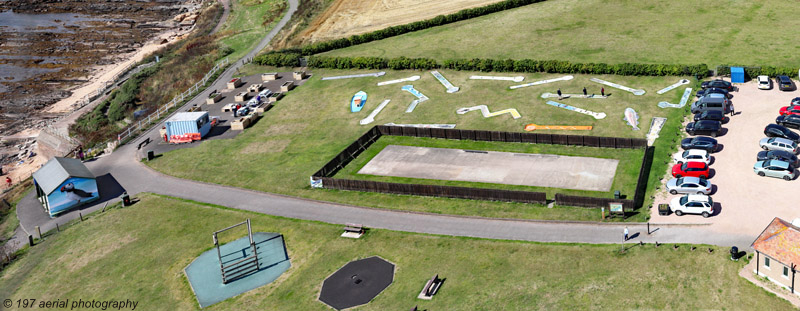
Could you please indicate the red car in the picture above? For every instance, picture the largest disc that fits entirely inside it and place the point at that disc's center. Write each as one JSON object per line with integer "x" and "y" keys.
{"x": 789, "y": 110}
{"x": 690, "y": 169}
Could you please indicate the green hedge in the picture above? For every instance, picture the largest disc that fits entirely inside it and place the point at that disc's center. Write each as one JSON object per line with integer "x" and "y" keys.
{"x": 465, "y": 14}
{"x": 753, "y": 72}
{"x": 399, "y": 63}
{"x": 279, "y": 59}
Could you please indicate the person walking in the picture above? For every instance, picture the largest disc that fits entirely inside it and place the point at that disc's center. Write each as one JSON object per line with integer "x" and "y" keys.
{"x": 626, "y": 233}
{"x": 559, "y": 93}
{"x": 602, "y": 91}
{"x": 8, "y": 182}
{"x": 732, "y": 111}
{"x": 584, "y": 91}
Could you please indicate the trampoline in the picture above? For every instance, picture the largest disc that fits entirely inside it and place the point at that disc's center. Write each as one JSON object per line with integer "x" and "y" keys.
{"x": 357, "y": 283}
{"x": 205, "y": 277}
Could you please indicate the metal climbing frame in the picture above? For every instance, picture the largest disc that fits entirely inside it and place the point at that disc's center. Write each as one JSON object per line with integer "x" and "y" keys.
{"x": 241, "y": 267}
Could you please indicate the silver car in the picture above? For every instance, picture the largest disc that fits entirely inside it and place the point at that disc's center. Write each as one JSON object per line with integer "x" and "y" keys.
{"x": 777, "y": 143}
{"x": 774, "y": 168}
{"x": 689, "y": 185}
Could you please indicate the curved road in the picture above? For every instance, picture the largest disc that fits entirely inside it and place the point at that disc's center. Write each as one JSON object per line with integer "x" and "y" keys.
{"x": 135, "y": 178}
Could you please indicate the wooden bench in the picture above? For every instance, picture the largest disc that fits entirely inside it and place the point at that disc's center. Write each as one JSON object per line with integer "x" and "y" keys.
{"x": 354, "y": 228}
{"x": 431, "y": 287}
{"x": 143, "y": 143}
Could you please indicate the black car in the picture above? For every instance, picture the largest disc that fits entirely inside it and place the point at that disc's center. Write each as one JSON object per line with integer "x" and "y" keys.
{"x": 777, "y": 155}
{"x": 713, "y": 90}
{"x": 722, "y": 84}
{"x": 705, "y": 143}
{"x": 789, "y": 120}
{"x": 711, "y": 115}
{"x": 774, "y": 130}
{"x": 795, "y": 101}
{"x": 784, "y": 83}
{"x": 704, "y": 127}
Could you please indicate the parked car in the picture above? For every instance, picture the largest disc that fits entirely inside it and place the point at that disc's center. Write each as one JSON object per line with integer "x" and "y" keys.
{"x": 710, "y": 115}
{"x": 692, "y": 155}
{"x": 764, "y": 82}
{"x": 711, "y": 102}
{"x": 718, "y": 83}
{"x": 692, "y": 204}
{"x": 713, "y": 90}
{"x": 777, "y": 155}
{"x": 705, "y": 127}
{"x": 790, "y": 120}
{"x": 777, "y": 143}
{"x": 706, "y": 143}
{"x": 689, "y": 185}
{"x": 774, "y": 168}
{"x": 690, "y": 169}
{"x": 784, "y": 83}
{"x": 795, "y": 102}
{"x": 774, "y": 130}
{"x": 789, "y": 110}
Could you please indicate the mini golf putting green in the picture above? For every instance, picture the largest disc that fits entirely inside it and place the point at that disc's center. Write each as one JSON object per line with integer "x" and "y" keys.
{"x": 206, "y": 279}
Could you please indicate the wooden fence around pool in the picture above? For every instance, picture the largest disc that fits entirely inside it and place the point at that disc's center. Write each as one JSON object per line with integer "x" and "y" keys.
{"x": 324, "y": 176}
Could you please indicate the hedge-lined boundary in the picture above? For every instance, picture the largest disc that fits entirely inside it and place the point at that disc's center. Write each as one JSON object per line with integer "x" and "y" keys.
{"x": 755, "y": 71}
{"x": 440, "y": 20}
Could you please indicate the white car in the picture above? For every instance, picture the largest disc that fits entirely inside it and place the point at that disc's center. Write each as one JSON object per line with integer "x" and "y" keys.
{"x": 692, "y": 155}
{"x": 764, "y": 82}
{"x": 692, "y": 204}
{"x": 777, "y": 143}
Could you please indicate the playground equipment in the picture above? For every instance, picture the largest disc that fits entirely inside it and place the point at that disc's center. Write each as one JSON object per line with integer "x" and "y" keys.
{"x": 433, "y": 126}
{"x": 517, "y": 79}
{"x": 564, "y": 78}
{"x": 632, "y": 118}
{"x": 596, "y": 115}
{"x": 363, "y": 75}
{"x": 672, "y": 87}
{"x": 358, "y": 101}
{"x": 621, "y": 87}
{"x": 371, "y": 117}
{"x": 411, "y": 78}
{"x": 485, "y": 111}
{"x": 655, "y": 127}
{"x": 450, "y": 87}
{"x": 420, "y": 97}
{"x": 533, "y": 127}
{"x": 684, "y": 100}
{"x": 550, "y": 95}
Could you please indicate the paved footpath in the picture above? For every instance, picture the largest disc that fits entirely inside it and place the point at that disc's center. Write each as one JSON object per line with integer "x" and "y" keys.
{"x": 135, "y": 178}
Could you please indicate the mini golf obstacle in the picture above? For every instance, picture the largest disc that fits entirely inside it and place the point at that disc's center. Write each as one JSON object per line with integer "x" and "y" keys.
{"x": 564, "y": 78}
{"x": 357, "y": 283}
{"x": 551, "y": 95}
{"x": 686, "y": 93}
{"x": 517, "y": 79}
{"x": 238, "y": 266}
{"x": 672, "y": 87}
{"x": 632, "y": 118}
{"x": 411, "y": 78}
{"x": 371, "y": 117}
{"x": 433, "y": 126}
{"x": 619, "y": 86}
{"x": 533, "y": 127}
{"x": 363, "y": 75}
{"x": 655, "y": 127}
{"x": 596, "y": 115}
{"x": 358, "y": 101}
{"x": 450, "y": 87}
{"x": 486, "y": 114}
{"x": 420, "y": 97}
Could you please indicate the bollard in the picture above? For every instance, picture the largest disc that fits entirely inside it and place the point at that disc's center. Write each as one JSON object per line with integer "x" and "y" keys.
{"x": 57, "y": 228}
{"x": 39, "y": 232}
{"x": 648, "y": 226}
{"x": 30, "y": 240}
{"x": 81, "y": 216}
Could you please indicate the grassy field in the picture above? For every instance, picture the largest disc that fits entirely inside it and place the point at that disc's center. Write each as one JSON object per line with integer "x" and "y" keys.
{"x": 630, "y": 160}
{"x": 676, "y": 32}
{"x": 124, "y": 254}
{"x": 305, "y": 130}
{"x": 245, "y": 25}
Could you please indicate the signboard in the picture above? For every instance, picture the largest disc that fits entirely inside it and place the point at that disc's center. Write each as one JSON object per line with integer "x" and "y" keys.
{"x": 615, "y": 208}
{"x": 316, "y": 183}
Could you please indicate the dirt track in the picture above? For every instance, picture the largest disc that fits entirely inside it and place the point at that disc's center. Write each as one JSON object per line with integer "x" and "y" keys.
{"x": 349, "y": 17}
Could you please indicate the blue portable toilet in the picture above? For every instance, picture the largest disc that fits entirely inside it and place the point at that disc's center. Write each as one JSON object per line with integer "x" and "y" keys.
{"x": 737, "y": 75}
{"x": 64, "y": 183}
{"x": 185, "y": 127}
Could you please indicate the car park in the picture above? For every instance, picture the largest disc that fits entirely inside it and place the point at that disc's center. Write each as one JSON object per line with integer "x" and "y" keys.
{"x": 784, "y": 83}
{"x": 774, "y": 130}
{"x": 710, "y": 115}
{"x": 789, "y": 110}
{"x": 706, "y": 143}
{"x": 692, "y": 204}
{"x": 777, "y": 155}
{"x": 704, "y": 127}
{"x": 713, "y": 90}
{"x": 764, "y": 82}
{"x": 692, "y": 155}
{"x": 718, "y": 83}
{"x": 694, "y": 185}
{"x": 774, "y": 168}
{"x": 690, "y": 169}
{"x": 777, "y": 143}
{"x": 789, "y": 120}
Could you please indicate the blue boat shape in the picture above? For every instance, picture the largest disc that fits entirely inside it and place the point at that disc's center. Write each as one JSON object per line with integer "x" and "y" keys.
{"x": 358, "y": 101}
